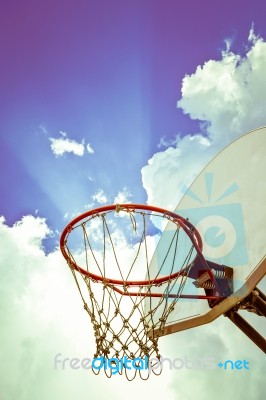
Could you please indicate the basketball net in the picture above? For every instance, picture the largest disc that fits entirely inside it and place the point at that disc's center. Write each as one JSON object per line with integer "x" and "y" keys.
{"x": 146, "y": 284}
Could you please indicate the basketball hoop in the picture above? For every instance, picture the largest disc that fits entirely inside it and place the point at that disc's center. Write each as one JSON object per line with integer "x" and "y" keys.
{"x": 119, "y": 270}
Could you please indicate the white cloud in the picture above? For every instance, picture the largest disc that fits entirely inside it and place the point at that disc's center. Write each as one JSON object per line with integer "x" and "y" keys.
{"x": 64, "y": 145}
{"x": 99, "y": 196}
{"x": 123, "y": 197}
{"x": 90, "y": 149}
{"x": 30, "y": 231}
{"x": 228, "y": 44}
{"x": 165, "y": 142}
{"x": 42, "y": 315}
{"x": 170, "y": 171}
{"x": 35, "y": 312}
{"x": 252, "y": 37}
{"x": 228, "y": 96}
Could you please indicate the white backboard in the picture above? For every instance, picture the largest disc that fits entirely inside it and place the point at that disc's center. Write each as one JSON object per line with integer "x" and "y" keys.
{"x": 226, "y": 203}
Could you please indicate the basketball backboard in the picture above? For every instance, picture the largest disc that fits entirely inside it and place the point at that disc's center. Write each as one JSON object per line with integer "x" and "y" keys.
{"x": 226, "y": 204}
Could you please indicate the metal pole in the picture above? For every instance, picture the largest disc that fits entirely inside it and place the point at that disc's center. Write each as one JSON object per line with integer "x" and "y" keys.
{"x": 261, "y": 294}
{"x": 244, "y": 326}
{"x": 258, "y": 302}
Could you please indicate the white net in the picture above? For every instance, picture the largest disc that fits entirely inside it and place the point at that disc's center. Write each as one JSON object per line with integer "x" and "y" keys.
{"x": 129, "y": 283}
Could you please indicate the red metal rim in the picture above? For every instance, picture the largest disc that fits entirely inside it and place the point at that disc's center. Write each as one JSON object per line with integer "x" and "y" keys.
{"x": 188, "y": 228}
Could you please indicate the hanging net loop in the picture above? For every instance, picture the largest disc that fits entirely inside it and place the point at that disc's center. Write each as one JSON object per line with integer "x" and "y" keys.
{"x": 129, "y": 281}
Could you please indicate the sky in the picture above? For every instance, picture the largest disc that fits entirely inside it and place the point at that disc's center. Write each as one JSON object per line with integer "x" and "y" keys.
{"x": 110, "y": 102}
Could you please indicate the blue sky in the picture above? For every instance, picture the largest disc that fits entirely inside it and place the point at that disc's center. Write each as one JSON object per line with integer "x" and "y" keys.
{"x": 108, "y": 73}
{"x": 103, "y": 102}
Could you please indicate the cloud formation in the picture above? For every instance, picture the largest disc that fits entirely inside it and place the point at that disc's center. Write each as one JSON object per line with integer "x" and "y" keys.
{"x": 99, "y": 197}
{"x": 228, "y": 97}
{"x": 169, "y": 172}
{"x": 42, "y": 315}
{"x": 90, "y": 149}
{"x": 123, "y": 197}
{"x": 62, "y": 145}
